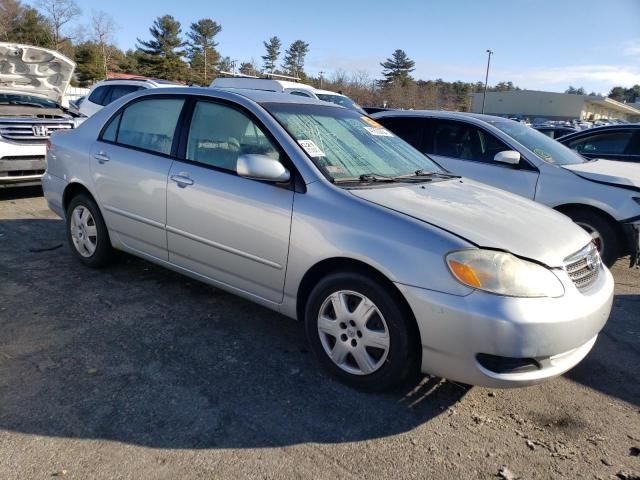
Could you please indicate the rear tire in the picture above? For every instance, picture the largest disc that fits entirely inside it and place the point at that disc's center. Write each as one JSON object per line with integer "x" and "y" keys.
{"x": 369, "y": 340}
{"x": 87, "y": 233}
{"x": 604, "y": 234}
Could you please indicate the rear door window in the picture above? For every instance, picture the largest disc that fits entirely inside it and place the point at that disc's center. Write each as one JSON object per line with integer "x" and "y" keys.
{"x": 148, "y": 124}
{"x": 408, "y": 129}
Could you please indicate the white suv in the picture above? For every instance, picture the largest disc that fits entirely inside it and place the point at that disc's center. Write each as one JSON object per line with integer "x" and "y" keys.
{"x": 107, "y": 91}
{"x": 32, "y": 85}
{"x": 285, "y": 86}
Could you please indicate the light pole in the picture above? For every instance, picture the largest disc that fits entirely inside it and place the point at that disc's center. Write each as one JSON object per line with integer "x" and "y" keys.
{"x": 486, "y": 79}
{"x": 321, "y": 78}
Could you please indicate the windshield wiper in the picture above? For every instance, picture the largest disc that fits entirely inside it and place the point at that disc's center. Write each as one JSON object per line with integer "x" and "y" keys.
{"x": 374, "y": 177}
{"x": 429, "y": 173}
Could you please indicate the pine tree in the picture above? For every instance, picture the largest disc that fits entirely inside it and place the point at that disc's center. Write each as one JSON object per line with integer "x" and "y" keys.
{"x": 397, "y": 68}
{"x": 203, "y": 55}
{"x": 162, "y": 55}
{"x": 248, "y": 68}
{"x": 273, "y": 52}
{"x": 294, "y": 58}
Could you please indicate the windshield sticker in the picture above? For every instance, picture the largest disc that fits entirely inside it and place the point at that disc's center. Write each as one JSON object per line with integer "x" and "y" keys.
{"x": 380, "y": 132}
{"x": 334, "y": 169}
{"x": 371, "y": 122}
{"x": 543, "y": 155}
{"x": 311, "y": 148}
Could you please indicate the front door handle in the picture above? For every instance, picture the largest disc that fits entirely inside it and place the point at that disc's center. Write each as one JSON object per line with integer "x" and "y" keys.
{"x": 102, "y": 157}
{"x": 182, "y": 180}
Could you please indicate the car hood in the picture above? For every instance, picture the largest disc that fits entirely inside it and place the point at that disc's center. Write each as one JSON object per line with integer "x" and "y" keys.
{"x": 486, "y": 216}
{"x": 609, "y": 171}
{"x": 34, "y": 70}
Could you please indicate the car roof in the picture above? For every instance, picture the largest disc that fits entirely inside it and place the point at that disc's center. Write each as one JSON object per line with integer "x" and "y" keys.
{"x": 257, "y": 96}
{"x": 438, "y": 114}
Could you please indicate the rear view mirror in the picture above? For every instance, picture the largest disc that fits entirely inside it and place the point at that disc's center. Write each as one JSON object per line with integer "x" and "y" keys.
{"x": 261, "y": 167}
{"x": 510, "y": 157}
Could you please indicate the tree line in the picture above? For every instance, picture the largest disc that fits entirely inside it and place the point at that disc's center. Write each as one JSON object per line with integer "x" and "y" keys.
{"x": 192, "y": 56}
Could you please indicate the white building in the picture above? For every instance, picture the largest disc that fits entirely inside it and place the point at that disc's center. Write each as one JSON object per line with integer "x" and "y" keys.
{"x": 554, "y": 106}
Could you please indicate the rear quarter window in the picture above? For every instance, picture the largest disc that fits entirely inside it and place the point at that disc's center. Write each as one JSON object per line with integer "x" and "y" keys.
{"x": 99, "y": 94}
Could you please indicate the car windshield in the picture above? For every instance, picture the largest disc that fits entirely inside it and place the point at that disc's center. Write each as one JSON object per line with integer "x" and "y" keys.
{"x": 339, "y": 100}
{"x": 30, "y": 100}
{"x": 543, "y": 146}
{"x": 346, "y": 144}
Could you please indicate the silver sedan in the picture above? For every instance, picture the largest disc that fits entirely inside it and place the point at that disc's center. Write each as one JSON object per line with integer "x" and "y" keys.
{"x": 318, "y": 212}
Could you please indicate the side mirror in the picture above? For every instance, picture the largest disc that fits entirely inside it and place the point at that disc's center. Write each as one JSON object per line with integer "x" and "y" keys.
{"x": 510, "y": 157}
{"x": 261, "y": 167}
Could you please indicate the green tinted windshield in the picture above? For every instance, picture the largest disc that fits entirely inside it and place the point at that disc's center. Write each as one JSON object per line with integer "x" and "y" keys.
{"x": 346, "y": 144}
{"x": 548, "y": 149}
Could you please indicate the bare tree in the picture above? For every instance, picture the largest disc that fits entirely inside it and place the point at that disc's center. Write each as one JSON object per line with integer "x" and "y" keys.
{"x": 102, "y": 29}
{"x": 59, "y": 13}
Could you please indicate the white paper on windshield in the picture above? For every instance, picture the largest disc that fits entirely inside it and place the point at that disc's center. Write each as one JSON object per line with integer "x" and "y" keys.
{"x": 380, "y": 132}
{"x": 311, "y": 148}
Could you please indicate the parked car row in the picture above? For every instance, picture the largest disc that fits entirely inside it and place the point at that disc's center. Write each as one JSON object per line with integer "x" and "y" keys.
{"x": 394, "y": 264}
{"x": 385, "y": 236}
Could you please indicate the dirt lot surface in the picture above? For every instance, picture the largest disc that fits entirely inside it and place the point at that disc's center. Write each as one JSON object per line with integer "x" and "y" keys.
{"x": 137, "y": 372}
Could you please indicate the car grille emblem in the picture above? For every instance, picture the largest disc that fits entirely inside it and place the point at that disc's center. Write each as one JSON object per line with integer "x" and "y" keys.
{"x": 40, "y": 131}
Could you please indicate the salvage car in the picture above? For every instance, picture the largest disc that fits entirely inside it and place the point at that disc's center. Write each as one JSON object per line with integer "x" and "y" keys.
{"x": 32, "y": 84}
{"x": 317, "y": 212}
{"x": 613, "y": 142}
{"x": 603, "y": 197}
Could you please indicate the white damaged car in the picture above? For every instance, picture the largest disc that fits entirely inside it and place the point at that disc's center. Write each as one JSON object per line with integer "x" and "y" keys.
{"x": 602, "y": 196}
{"x": 32, "y": 84}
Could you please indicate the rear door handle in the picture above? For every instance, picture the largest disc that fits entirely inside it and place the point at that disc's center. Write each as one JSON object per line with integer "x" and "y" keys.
{"x": 102, "y": 157}
{"x": 182, "y": 180}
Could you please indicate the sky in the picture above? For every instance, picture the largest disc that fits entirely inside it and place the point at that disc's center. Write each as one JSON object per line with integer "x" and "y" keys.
{"x": 537, "y": 44}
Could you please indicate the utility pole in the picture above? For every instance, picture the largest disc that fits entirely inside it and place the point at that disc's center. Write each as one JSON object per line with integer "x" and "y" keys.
{"x": 321, "y": 78}
{"x": 486, "y": 79}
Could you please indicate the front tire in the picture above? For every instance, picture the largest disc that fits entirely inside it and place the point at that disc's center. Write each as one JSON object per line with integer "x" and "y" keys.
{"x": 361, "y": 333}
{"x": 87, "y": 233}
{"x": 602, "y": 231}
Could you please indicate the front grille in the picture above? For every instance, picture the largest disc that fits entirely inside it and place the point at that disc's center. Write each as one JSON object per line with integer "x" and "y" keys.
{"x": 32, "y": 133}
{"x": 20, "y": 173}
{"x": 584, "y": 266}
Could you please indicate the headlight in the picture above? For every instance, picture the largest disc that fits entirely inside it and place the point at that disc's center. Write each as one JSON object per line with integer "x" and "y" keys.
{"x": 503, "y": 274}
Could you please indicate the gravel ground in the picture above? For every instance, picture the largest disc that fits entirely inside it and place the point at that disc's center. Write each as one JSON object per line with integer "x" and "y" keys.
{"x": 137, "y": 372}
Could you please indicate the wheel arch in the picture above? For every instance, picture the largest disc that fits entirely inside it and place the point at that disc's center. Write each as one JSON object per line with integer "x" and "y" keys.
{"x": 567, "y": 208}
{"x": 341, "y": 264}
{"x": 73, "y": 189}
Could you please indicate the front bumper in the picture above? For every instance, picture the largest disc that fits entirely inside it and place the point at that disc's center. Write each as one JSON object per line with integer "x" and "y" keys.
{"x": 21, "y": 164}
{"x": 556, "y": 333}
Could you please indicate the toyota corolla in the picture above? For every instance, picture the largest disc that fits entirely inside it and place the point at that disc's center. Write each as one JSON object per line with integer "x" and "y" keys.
{"x": 318, "y": 212}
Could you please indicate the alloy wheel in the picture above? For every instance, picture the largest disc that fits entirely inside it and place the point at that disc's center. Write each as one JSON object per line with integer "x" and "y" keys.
{"x": 353, "y": 332}
{"x": 84, "y": 232}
